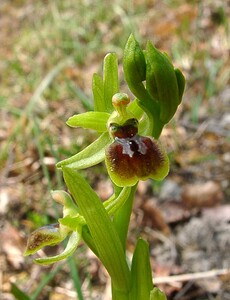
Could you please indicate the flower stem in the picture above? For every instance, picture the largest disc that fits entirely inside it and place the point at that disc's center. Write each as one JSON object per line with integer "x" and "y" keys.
{"x": 122, "y": 217}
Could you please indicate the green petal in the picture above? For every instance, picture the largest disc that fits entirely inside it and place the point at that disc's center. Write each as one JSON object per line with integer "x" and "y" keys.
{"x": 90, "y": 120}
{"x": 88, "y": 157}
{"x": 70, "y": 248}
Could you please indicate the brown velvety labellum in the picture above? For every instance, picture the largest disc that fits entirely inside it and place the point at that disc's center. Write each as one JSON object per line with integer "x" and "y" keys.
{"x": 134, "y": 157}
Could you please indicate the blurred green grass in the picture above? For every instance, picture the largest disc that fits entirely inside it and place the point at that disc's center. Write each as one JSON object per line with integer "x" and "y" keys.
{"x": 49, "y": 52}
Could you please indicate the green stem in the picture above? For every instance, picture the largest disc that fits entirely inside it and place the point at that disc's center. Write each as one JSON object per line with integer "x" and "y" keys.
{"x": 152, "y": 110}
{"x": 119, "y": 295}
{"x": 122, "y": 217}
{"x": 121, "y": 221}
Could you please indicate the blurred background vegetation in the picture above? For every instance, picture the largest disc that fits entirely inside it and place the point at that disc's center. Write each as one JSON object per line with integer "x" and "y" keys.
{"x": 49, "y": 52}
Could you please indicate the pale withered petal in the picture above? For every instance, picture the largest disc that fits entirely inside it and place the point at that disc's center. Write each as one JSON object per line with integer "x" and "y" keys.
{"x": 49, "y": 235}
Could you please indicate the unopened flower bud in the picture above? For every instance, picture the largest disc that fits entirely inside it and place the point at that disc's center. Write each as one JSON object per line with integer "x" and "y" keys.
{"x": 134, "y": 66}
{"x": 163, "y": 82}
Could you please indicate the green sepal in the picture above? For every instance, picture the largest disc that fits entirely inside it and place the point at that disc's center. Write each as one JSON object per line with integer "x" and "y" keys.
{"x": 90, "y": 120}
{"x": 181, "y": 83}
{"x": 88, "y": 157}
{"x": 103, "y": 232}
{"x": 157, "y": 294}
{"x": 110, "y": 80}
{"x": 73, "y": 242}
{"x": 141, "y": 273}
{"x": 98, "y": 93}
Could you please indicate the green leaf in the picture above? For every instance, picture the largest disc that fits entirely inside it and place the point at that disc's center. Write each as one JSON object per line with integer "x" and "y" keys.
{"x": 141, "y": 273}
{"x": 157, "y": 294}
{"x": 110, "y": 80}
{"x": 98, "y": 93}
{"x": 104, "y": 234}
{"x": 88, "y": 157}
{"x": 90, "y": 120}
{"x": 74, "y": 274}
{"x": 73, "y": 242}
{"x": 18, "y": 294}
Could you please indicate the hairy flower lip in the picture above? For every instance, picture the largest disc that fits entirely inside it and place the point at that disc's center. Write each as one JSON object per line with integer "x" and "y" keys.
{"x": 137, "y": 158}
{"x": 48, "y": 235}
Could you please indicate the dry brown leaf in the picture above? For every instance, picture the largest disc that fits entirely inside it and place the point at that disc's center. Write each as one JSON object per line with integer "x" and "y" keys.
{"x": 202, "y": 194}
{"x": 153, "y": 215}
{"x": 174, "y": 212}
